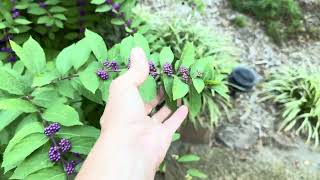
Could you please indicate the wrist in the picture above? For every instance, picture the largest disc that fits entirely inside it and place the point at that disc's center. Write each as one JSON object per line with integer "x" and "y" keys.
{"x": 124, "y": 155}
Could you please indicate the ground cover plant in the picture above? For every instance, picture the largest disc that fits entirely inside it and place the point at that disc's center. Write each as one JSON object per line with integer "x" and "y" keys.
{"x": 297, "y": 92}
{"x": 41, "y": 99}
{"x": 282, "y": 19}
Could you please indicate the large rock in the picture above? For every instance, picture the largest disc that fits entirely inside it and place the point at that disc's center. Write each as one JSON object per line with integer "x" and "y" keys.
{"x": 237, "y": 137}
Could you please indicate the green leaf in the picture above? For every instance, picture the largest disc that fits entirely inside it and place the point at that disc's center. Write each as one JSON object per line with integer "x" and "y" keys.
{"x": 79, "y": 131}
{"x": 117, "y": 21}
{"x": 105, "y": 90}
{"x": 32, "y": 55}
{"x": 60, "y": 16}
{"x": 148, "y": 90}
{"x": 103, "y": 8}
{"x": 114, "y": 53}
{"x": 27, "y": 120}
{"x": 142, "y": 42}
{"x": 194, "y": 103}
{"x": 176, "y": 137}
{"x": 82, "y": 145}
{"x": 46, "y": 97}
{"x": 44, "y": 78}
{"x": 80, "y": 53}
{"x": 22, "y": 21}
{"x": 98, "y": 2}
{"x": 28, "y": 129}
{"x": 166, "y": 56}
{"x": 52, "y": 173}
{"x": 57, "y": 9}
{"x": 88, "y": 77}
{"x": 97, "y": 45}
{"x": 198, "y": 84}
{"x": 65, "y": 88}
{"x": 44, "y": 19}
{"x": 35, "y": 162}
{"x": 22, "y": 150}
{"x": 188, "y": 55}
{"x": 126, "y": 46}
{"x": 3, "y": 25}
{"x": 155, "y": 58}
{"x": 64, "y": 60}
{"x": 17, "y": 105}
{"x": 179, "y": 88}
{"x": 12, "y": 82}
{"x": 36, "y": 10}
{"x": 222, "y": 90}
{"x": 63, "y": 114}
{"x": 168, "y": 84}
{"x": 7, "y": 117}
{"x": 188, "y": 158}
{"x": 196, "y": 173}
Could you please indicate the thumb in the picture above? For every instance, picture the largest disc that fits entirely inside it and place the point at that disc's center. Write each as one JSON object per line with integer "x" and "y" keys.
{"x": 139, "y": 69}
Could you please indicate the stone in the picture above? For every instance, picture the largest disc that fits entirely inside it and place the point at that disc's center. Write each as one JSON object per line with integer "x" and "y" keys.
{"x": 237, "y": 137}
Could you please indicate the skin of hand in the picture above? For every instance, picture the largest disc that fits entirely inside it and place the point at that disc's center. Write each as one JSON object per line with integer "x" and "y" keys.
{"x": 132, "y": 144}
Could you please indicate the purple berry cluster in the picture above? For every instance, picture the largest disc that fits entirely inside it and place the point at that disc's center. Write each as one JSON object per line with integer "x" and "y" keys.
{"x": 112, "y": 66}
{"x": 65, "y": 145}
{"x": 52, "y": 129}
{"x": 116, "y": 8}
{"x": 102, "y": 74}
{"x": 152, "y": 70}
{"x": 54, "y": 154}
{"x": 70, "y": 167}
{"x": 184, "y": 72}
{"x": 56, "y": 151}
{"x": 167, "y": 69}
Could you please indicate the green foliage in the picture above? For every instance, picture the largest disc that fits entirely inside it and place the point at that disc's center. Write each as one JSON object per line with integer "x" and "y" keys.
{"x": 282, "y": 18}
{"x": 60, "y": 97}
{"x": 297, "y": 92}
{"x": 207, "y": 49}
{"x": 61, "y": 21}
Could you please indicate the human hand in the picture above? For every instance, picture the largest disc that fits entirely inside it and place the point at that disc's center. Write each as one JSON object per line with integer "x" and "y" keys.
{"x": 132, "y": 140}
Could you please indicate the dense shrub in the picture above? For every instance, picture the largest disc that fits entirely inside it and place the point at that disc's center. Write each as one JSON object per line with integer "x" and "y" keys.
{"x": 297, "y": 92}
{"x": 282, "y": 18}
{"x": 43, "y": 102}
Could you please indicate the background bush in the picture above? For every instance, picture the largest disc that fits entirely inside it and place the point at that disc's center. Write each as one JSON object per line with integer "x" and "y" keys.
{"x": 297, "y": 92}
{"x": 283, "y": 18}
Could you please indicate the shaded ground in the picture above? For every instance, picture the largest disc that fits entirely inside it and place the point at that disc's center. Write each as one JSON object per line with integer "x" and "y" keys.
{"x": 254, "y": 148}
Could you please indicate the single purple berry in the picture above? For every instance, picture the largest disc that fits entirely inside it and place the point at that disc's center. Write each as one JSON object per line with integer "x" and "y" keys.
{"x": 106, "y": 64}
{"x": 116, "y": 6}
{"x": 114, "y": 66}
{"x": 12, "y": 59}
{"x": 42, "y": 5}
{"x": 15, "y": 14}
{"x": 54, "y": 154}
{"x": 108, "y": 1}
{"x": 184, "y": 72}
{"x": 65, "y": 145}
{"x": 6, "y": 49}
{"x": 152, "y": 69}
{"x": 70, "y": 167}
{"x": 167, "y": 69}
{"x": 129, "y": 22}
{"x": 52, "y": 129}
{"x": 103, "y": 74}
{"x": 82, "y": 12}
